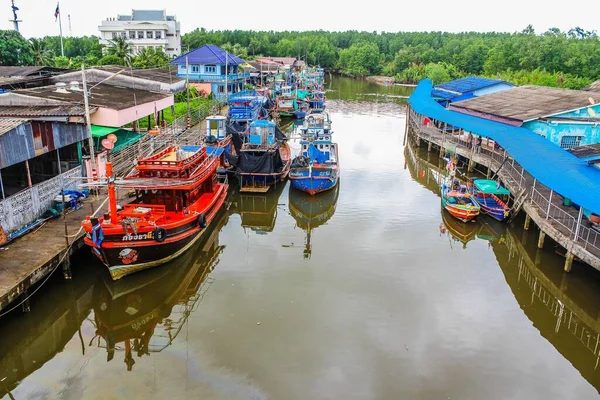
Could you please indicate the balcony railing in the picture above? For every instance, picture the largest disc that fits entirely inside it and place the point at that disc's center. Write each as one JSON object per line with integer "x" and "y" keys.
{"x": 215, "y": 77}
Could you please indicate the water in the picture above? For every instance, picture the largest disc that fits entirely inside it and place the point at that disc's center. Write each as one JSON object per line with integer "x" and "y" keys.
{"x": 368, "y": 292}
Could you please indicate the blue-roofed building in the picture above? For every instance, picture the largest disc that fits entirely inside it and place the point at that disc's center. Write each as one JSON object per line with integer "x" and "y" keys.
{"x": 466, "y": 88}
{"x": 206, "y": 69}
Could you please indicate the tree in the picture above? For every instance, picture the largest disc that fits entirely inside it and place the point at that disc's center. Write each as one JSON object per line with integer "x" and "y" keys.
{"x": 122, "y": 49}
{"x": 110, "y": 59}
{"x": 15, "y": 50}
{"x": 41, "y": 54}
{"x": 150, "y": 57}
{"x": 361, "y": 59}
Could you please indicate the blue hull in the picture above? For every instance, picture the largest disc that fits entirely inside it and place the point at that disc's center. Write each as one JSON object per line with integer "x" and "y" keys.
{"x": 492, "y": 208}
{"x": 302, "y": 180}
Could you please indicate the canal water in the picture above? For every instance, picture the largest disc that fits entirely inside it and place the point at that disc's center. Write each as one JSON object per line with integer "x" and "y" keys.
{"x": 365, "y": 292}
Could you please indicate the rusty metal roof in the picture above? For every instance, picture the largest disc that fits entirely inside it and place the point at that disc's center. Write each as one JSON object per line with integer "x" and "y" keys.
{"x": 66, "y": 110}
{"x": 594, "y": 87}
{"x": 8, "y": 124}
{"x": 525, "y": 103}
{"x": 103, "y": 95}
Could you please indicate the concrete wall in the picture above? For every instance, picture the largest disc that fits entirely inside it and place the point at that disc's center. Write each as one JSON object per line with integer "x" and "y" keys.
{"x": 23, "y": 208}
{"x": 118, "y": 118}
{"x": 589, "y": 132}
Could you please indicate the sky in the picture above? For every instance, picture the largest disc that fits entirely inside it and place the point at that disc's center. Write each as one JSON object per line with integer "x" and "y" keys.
{"x": 333, "y": 15}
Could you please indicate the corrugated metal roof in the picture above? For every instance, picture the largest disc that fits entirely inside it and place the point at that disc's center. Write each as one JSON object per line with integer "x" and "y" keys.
{"x": 44, "y": 111}
{"x": 8, "y": 124}
{"x": 163, "y": 75}
{"x": 148, "y": 15}
{"x": 545, "y": 161}
{"x": 18, "y": 71}
{"x": 208, "y": 54}
{"x": 469, "y": 84}
{"x": 526, "y": 103}
{"x": 586, "y": 152}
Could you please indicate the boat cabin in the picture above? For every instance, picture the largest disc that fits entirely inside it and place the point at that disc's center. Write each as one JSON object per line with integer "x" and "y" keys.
{"x": 286, "y": 91}
{"x": 262, "y": 133}
{"x": 215, "y": 126}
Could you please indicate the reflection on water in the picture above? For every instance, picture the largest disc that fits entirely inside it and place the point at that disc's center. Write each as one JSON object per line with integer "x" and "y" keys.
{"x": 368, "y": 291}
{"x": 310, "y": 212}
{"x": 552, "y": 300}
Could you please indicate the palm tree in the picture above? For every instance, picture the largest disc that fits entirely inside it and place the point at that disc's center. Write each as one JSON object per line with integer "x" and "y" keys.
{"x": 41, "y": 54}
{"x": 121, "y": 48}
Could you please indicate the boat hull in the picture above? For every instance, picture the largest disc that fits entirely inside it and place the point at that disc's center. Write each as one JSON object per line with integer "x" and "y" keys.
{"x": 314, "y": 180}
{"x": 260, "y": 182}
{"x": 493, "y": 206}
{"x": 460, "y": 205}
{"x": 126, "y": 256}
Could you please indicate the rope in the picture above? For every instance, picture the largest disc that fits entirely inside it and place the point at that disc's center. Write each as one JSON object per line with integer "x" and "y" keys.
{"x": 53, "y": 270}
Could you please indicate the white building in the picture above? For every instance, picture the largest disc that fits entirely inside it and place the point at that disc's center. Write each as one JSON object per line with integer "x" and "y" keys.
{"x": 144, "y": 28}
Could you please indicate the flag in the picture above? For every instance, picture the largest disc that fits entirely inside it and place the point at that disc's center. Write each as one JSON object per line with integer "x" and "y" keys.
{"x": 56, "y": 13}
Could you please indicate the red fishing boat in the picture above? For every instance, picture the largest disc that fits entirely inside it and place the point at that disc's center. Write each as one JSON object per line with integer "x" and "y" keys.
{"x": 176, "y": 196}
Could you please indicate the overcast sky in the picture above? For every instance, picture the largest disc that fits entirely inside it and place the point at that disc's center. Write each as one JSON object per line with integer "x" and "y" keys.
{"x": 372, "y": 15}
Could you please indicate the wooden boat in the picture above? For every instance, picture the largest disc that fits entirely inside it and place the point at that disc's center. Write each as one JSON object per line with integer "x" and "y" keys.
{"x": 177, "y": 195}
{"x": 458, "y": 202}
{"x": 246, "y": 106}
{"x": 317, "y": 168}
{"x": 147, "y": 311}
{"x": 487, "y": 193}
{"x": 311, "y": 212}
{"x": 264, "y": 160}
{"x": 285, "y": 102}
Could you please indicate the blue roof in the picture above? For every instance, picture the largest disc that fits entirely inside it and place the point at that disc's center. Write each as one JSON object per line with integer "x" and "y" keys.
{"x": 208, "y": 54}
{"x": 469, "y": 84}
{"x": 548, "y": 163}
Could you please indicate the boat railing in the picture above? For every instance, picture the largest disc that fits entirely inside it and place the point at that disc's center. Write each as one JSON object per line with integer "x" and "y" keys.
{"x": 131, "y": 209}
{"x": 174, "y": 163}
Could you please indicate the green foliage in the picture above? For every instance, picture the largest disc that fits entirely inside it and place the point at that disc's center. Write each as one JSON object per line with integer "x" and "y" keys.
{"x": 110, "y": 59}
{"x": 437, "y": 72}
{"x": 180, "y": 111}
{"x": 122, "y": 49}
{"x": 41, "y": 54}
{"x": 14, "y": 49}
{"x": 544, "y": 78}
{"x": 361, "y": 59}
{"x": 151, "y": 58}
{"x": 182, "y": 96}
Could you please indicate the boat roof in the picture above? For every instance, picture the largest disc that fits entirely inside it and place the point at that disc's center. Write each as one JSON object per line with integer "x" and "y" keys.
{"x": 172, "y": 158}
{"x": 263, "y": 122}
{"x": 219, "y": 117}
{"x": 489, "y": 186}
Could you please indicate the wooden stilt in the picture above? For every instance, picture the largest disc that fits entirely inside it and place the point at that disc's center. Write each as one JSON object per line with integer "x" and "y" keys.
{"x": 569, "y": 262}
{"x": 541, "y": 239}
{"x": 527, "y": 222}
{"x": 471, "y": 165}
{"x": 429, "y": 146}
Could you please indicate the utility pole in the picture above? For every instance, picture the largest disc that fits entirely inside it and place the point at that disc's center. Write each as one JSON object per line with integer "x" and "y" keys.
{"x": 15, "y": 20}
{"x": 226, "y": 76}
{"x": 187, "y": 84}
{"x": 62, "y": 48}
{"x": 87, "y": 120}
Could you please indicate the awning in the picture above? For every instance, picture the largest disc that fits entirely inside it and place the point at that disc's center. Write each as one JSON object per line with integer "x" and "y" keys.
{"x": 488, "y": 186}
{"x": 99, "y": 130}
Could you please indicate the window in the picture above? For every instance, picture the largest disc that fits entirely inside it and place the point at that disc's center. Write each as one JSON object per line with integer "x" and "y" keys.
{"x": 194, "y": 68}
{"x": 114, "y": 35}
{"x": 140, "y": 34}
{"x": 124, "y": 35}
{"x": 158, "y": 34}
{"x": 568, "y": 142}
{"x": 210, "y": 69}
{"x": 149, "y": 34}
{"x": 221, "y": 89}
{"x": 131, "y": 34}
{"x": 169, "y": 35}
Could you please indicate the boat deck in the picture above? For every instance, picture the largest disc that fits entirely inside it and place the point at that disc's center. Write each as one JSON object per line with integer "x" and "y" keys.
{"x": 255, "y": 189}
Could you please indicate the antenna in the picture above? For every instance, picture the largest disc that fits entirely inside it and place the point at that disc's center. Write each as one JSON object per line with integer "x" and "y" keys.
{"x": 15, "y": 20}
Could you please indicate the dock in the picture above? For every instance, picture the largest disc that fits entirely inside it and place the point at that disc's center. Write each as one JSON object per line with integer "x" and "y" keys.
{"x": 543, "y": 206}
{"x": 28, "y": 260}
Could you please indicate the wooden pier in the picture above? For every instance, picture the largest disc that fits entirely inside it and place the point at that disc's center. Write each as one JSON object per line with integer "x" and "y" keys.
{"x": 564, "y": 224}
{"x": 31, "y": 258}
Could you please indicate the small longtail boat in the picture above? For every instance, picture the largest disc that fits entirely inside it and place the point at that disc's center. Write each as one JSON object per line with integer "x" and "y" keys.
{"x": 458, "y": 202}
{"x": 177, "y": 195}
{"x": 487, "y": 192}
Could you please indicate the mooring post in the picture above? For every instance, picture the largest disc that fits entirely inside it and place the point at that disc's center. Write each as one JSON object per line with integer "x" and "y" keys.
{"x": 541, "y": 239}
{"x": 488, "y": 173}
{"x": 527, "y": 222}
{"x": 569, "y": 262}
{"x": 66, "y": 267}
{"x": 25, "y": 305}
{"x": 407, "y": 125}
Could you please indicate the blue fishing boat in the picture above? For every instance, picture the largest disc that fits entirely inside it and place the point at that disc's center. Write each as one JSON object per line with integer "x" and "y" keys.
{"x": 489, "y": 194}
{"x": 317, "y": 100}
{"x": 246, "y": 106}
{"x": 264, "y": 160}
{"x": 316, "y": 169}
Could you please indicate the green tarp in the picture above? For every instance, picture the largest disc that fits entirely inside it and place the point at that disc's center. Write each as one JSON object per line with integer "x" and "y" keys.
{"x": 99, "y": 130}
{"x": 124, "y": 137}
{"x": 489, "y": 186}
